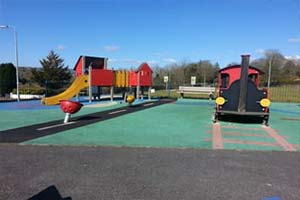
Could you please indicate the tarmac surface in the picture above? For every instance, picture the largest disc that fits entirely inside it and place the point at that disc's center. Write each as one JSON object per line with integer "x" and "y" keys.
{"x": 147, "y": 173}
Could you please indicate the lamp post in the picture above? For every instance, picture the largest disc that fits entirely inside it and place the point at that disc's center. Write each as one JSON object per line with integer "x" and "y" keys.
{"x": 269, "y": 73}
{"x": 16, "y": 56}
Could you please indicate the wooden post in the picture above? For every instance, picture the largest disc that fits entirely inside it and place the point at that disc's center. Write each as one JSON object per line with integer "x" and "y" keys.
{"x": 149, "y": 93}
{"x": 138, "y": 86}
{"x": 90, "y": 84}
{"x": 111, "y": 93}
{"x": 125, "y": 96}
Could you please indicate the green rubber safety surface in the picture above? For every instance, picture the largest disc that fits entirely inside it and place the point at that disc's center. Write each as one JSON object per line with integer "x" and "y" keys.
{"x": 285, "y": 119}
{"x": 20, "y": 118}
{"x": 245, "y": 133}
{"x": 182, "y": 124}
{"x": 248, "y": 138}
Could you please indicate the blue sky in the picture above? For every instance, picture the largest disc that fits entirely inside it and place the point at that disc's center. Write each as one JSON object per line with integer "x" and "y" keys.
{"x": 160, "y": 32}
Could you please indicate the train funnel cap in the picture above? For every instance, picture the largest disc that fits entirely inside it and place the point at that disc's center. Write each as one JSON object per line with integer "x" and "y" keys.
{"x": 245, "y": 55}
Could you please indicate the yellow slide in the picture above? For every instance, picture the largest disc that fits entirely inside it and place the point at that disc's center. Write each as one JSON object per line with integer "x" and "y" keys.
{"x": 79, "y": 83}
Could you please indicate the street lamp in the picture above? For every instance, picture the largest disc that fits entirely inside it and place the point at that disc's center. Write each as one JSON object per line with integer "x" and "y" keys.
{"x": 16, "y": 55}
{"x": 269, "y": 73}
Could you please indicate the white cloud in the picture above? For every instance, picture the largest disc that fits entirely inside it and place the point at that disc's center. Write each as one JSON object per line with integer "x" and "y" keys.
{"x": 294, "y": 40}
{"x": 295, "y": 57}
{"x": 131, "y": 61}
{"x": 112, "y": 60}
{"x": 169, "y": 60}
{"x": 61, "y": 47}
{"x": 260, "y": 51}
{"x": 152, "y": 62}
{"x": 111, "y": 48}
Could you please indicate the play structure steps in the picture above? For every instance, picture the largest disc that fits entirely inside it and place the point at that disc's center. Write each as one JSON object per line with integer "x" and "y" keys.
{"x": 78, "y": 84}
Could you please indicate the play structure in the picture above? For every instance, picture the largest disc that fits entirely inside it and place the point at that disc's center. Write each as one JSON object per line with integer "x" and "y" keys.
{"x": 69, "y": 107}
{"x": 130, "y": 99}
{"x": 238, "y": 93}
{"x": 92, "y": 73}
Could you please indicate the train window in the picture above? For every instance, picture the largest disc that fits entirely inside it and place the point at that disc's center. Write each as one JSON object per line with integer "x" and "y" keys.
{"x": 253, "y": 77}
{"x": 224, "y": 80}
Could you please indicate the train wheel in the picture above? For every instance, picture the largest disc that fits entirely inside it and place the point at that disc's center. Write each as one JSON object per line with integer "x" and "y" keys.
{"x": 265, "y": 121}
{"x": 215, "y": 117}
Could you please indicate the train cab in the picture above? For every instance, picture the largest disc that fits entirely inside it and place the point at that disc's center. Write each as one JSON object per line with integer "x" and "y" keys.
{"x": 239, "y": 95}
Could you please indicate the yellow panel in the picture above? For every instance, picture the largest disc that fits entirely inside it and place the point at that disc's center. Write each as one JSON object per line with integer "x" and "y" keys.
{"x": 124, "y": 79}
{"x": 121, "y": 78}
{"x": 127, "y": 79}
{"x": 117, "y": 78}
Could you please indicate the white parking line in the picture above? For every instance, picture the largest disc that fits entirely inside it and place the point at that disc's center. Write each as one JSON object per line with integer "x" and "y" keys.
{"x": 54, "y": 126}
{"x": 111, "y": 113}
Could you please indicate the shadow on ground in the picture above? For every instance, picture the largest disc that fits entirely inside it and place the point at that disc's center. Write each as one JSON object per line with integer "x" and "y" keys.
{"x": 241, "y": 119}
{"x": 50, "y": 193}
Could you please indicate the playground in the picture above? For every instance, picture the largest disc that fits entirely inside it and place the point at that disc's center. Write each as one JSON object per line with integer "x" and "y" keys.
{"x": 135, "y": 121}
{"x": 141, "y": 146}
{"x": 153, "y": 149}
{"x": 182, "y": 123}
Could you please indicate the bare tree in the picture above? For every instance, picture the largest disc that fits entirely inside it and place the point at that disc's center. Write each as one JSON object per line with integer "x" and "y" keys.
{"x": 275, "y": 61}
{"x": 271, "y": 64}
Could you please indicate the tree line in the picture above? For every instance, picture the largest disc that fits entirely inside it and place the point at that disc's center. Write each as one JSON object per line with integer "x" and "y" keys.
{"x": 283, "y": 71}
{"x": 180, "y": 74}
{"x": 53, "y": 75}
{"x": 7, "y": 78}
{"x": 49, "y": 79}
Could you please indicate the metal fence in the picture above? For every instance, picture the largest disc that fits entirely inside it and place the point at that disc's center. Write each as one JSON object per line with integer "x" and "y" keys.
{"x": 285, "y": 93}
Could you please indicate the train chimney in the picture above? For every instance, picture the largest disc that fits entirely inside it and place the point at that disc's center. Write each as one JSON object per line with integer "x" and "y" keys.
{"x": 243, "y": 83}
